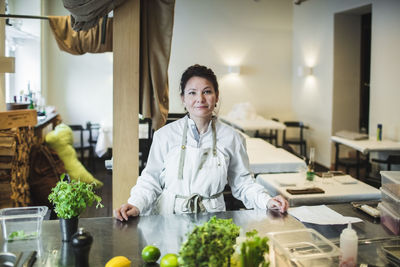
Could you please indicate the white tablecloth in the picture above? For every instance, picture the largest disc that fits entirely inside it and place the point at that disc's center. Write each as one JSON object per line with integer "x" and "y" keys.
{"x": 105, "y": 138}
{"x": 266, "y": 158}
{"x": 369, "y": 145}
{"x": 335, "y": 191}
{"x": 259, "y": 123}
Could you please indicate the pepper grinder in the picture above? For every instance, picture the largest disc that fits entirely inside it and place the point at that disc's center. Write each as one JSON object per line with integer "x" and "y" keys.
{"x": 81, "y": 243}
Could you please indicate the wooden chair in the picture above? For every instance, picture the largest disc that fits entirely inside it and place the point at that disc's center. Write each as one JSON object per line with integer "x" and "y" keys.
{"x": 80, "y": 147}
{"x": 145, "y": 144}
{"x": 93, "y": 129}
{"x": 174, "y": 116}
{"x": 299, "y": 140}
{"x": 389, "y": 161}
{"x": 271, "y": 136}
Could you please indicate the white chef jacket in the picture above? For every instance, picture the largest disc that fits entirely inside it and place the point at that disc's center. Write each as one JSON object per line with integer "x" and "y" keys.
{"x": 158, "y": 185}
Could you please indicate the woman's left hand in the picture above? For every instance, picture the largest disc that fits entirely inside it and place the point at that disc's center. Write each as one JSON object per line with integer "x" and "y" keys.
{"x": 279, "y": 203}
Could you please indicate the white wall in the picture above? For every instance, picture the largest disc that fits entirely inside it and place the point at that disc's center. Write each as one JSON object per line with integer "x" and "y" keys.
{"x": 26, "y": 49}
{"x": 255, "y": 35}
{"x": 80, "y": 87}
{"x": 313, "y": 31}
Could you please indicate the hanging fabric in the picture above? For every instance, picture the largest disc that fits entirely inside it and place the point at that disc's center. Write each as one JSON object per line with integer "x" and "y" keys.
{"x": 85, "y": 14}
{"x": 156, "y": 24}
{"x": 78, "y": 43}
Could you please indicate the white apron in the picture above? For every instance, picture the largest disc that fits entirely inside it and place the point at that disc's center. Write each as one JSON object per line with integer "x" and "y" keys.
{"x": 194, "y": 178}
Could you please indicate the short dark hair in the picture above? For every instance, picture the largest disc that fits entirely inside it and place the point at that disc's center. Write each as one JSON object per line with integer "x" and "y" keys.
{"x": 198, "y": 71}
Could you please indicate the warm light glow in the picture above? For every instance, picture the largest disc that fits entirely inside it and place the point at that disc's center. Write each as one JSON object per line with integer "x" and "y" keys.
{"x": 234, "y": 70}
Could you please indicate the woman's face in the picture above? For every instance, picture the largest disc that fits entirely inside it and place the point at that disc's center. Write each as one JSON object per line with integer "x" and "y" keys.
{"x": 199, "y": 98}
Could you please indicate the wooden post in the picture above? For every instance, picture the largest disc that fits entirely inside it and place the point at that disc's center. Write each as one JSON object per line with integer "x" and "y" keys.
{"x": 126, "y": 42}
{"x": 2, "y": 50}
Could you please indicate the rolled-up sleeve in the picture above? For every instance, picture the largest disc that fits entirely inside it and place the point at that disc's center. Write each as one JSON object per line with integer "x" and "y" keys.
{"x": 150, "y": 183}
{"x": 242, "y": 183}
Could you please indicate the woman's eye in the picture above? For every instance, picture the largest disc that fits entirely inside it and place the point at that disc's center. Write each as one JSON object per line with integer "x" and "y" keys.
{"x": 207, "y": 92}
{"x": 191, "y": 93}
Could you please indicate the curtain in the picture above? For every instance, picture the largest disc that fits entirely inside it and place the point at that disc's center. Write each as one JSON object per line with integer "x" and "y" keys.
{"x": 78, "y": 43}
{"x": 156, "y": 24}
{"x": 86, "y": 13}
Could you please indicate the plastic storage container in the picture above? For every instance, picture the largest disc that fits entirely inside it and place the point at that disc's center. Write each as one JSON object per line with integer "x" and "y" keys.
{"x": 391, "y": 181}
{"x": 22, "y": 223}
{"x": 389, "y": 218}
{"x": 303, "y": 247}
{"x": 391, "y": 200}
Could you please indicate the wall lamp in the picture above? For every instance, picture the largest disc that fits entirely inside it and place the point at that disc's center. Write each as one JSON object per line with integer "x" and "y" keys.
{"x": 234, "y": 70}
{"x": 303, "y": 71}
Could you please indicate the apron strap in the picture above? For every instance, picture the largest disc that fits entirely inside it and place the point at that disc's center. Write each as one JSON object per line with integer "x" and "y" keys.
{"x": 183, "y": 150}
{"x": 184, "y": 142}
{"x": 194, "y": 203}
{"x": 214, "y": 134}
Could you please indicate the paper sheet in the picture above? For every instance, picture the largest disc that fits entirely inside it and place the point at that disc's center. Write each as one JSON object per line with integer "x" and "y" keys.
{"x": 320, "y": 215}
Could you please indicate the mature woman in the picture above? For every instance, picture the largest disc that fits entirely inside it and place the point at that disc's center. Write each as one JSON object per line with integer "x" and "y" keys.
{"x": 192, "y": 159}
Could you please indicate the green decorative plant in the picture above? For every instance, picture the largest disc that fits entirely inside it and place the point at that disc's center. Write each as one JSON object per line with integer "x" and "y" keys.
{"x": 72, "y": 198}
{"x": 210, "y": 244}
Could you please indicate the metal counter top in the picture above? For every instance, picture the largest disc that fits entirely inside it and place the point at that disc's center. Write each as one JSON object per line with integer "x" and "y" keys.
{"x": 114, "y": 238}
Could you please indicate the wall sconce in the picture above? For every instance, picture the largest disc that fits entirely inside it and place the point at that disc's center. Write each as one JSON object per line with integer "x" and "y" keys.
{"x": 234, "y": 70}
{"x": 303, "y": 71}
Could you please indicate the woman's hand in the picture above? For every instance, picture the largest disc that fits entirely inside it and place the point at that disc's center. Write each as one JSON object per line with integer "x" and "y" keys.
{"x": 279, "y": 203}
{"x": 125, "y": 211}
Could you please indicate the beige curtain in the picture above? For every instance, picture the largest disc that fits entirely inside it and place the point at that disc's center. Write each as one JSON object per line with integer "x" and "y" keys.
{"x": 86, "y": 13}
{"x": 78, "y": 43}
{"x": 157, "y": 19}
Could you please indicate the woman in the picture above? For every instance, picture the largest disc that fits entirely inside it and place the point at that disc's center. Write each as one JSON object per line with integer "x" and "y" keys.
{"x": 192, "y": 159}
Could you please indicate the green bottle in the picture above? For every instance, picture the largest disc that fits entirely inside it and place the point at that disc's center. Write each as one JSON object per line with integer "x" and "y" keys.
{"x": 31, "y": 106}
{"x": 310, "y": 167}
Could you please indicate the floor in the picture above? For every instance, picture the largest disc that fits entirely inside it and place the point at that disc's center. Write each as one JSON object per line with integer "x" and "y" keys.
{"x": 105, "y": 192}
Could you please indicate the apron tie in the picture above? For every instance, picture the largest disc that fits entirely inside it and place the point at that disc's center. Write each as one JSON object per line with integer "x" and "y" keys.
{"x": 193, "y": 203}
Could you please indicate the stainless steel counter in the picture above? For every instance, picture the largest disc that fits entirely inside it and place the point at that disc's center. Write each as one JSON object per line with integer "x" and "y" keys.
{"x": 114, "y": 238}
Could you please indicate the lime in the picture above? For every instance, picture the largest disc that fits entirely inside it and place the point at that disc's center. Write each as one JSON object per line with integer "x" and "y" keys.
{"x": 150, "y": 253}
{"x": 169, "y": 260}
{"x": 119, "y": 261}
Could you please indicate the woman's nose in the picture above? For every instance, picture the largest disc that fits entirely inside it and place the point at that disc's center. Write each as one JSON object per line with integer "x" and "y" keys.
{"x": 200, "y": 97}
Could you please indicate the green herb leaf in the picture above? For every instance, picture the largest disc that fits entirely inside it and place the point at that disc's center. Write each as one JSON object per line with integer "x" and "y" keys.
{"x": 210, "y": 244}
{"x": 71, "y": 199}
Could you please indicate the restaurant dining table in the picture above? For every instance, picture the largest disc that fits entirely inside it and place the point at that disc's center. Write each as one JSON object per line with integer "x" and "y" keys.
{"x": 251, "y": 126}
{"x": 168, "y": 232}
{"x": 365, "y": 147}
{"x": 339, "y": 189}
{"x": 266, "y": 158}
{"x": 105, "y": 138}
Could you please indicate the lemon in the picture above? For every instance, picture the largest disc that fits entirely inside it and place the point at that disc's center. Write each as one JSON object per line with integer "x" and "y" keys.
{"x": 169, "y": 260}
{"x": 119, "y": 261}
{"x": 150, "y": 253}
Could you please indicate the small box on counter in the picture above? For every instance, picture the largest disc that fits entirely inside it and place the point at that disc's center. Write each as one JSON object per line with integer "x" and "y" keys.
{"x": 303, "y": 247}
{"x": 391, "y": 181}
{"x": 391, "y": 200}
{"x": 389, "y": 218}
{"x": 22, "y": 223}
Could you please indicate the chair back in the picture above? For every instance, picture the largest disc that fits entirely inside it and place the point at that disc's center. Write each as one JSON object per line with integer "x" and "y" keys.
{"x": 93, "y": 129}
{"x": 174, "y": 116}
{"x": 298, "y": 140}
{"x": 145, "y": 143}
{"x": 78, "y": 144}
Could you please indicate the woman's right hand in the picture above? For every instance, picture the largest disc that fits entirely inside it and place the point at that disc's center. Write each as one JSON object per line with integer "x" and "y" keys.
{"x": 125, "y": 211}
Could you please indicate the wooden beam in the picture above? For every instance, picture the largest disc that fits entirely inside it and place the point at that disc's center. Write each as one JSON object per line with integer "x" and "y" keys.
{"x": 7, "y": 64}
{"x": 2, "y": 50}
{"x": 126, "y": 42}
